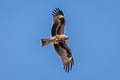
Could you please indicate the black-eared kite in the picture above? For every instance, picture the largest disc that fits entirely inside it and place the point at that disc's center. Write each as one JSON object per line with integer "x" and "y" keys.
{"x": 58, "y": 39}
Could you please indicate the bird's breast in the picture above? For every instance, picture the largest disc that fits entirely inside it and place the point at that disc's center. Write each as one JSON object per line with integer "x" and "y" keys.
{"x": 58, "y": 38}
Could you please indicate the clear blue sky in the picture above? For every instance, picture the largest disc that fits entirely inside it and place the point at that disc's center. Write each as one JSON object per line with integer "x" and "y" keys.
{"x": 93, "y": 27}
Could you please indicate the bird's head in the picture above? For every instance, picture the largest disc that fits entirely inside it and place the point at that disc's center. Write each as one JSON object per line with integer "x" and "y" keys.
{"x": 66, "y": 37}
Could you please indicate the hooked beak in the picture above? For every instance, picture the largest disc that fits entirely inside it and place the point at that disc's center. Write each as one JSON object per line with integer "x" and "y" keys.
{"x": 67, "y": 37}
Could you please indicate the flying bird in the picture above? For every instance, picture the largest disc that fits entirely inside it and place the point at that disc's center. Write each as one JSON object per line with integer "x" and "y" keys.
{"x": 58, "y": 39}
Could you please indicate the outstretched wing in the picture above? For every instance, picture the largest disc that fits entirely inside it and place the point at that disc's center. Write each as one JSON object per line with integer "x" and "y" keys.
{"x": 65, "y": 54}
{"x": 58, "y": 22}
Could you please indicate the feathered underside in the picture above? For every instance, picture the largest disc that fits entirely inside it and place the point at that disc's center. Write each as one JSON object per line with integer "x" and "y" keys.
{"x": 58, "y": 22}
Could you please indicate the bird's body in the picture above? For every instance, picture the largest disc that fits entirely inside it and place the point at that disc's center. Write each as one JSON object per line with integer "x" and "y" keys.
{"x": 58, "y": 39}
{"x": 54, "y": 39}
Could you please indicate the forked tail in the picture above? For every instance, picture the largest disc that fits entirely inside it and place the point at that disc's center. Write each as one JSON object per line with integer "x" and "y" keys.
{"x": 44, "y": 42}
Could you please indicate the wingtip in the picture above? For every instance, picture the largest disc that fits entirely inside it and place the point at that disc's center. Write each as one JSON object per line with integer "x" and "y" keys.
{"x": 57, "y": 10}
{"x": 68, "y": 67}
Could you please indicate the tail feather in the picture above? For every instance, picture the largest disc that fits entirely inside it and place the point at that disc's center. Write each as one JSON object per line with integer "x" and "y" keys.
{"x": 44, "y": 42}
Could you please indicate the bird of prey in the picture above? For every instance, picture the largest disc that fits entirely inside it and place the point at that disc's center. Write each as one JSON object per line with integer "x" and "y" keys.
{"x": 58, "y": 39}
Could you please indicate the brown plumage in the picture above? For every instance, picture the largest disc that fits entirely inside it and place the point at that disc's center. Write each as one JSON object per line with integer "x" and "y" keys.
{"x": 58, "y": 39}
